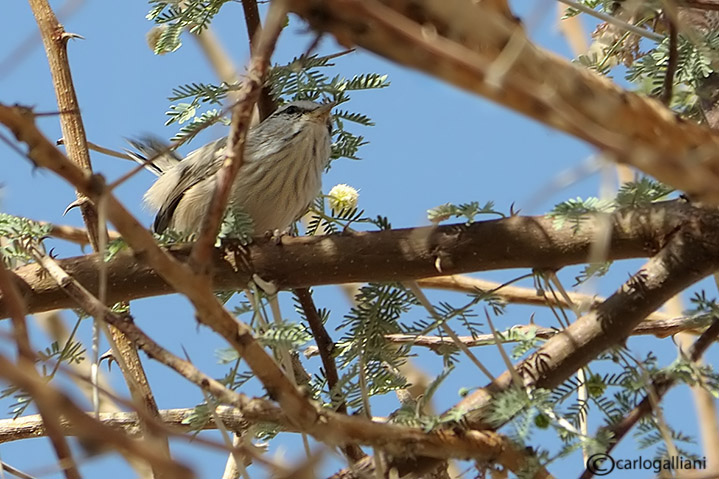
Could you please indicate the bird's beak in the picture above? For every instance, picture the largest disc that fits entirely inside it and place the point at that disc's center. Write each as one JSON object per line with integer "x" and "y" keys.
{"x": 324, "y": 110}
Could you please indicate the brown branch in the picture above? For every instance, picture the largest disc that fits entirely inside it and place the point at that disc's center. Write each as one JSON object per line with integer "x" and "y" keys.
{"x": 265, "y": 104}
{"x": 74, "y": 234}
{"x": 668, "y": 89}
{"x": 195, "y": 287}
{"x": 89, "y": 303}
{"x": 658, "y": 328}
{"x": 241, "y": 117}
{"x": 55, "y": 40}
{"x": 394, "y": 255}
{"x": 659, "y": 388}
{"x": 467, "y": 49}
{"x": 26, "y": 358}
{"x": 49, "y": 398}
{"x": 518, "y": 294}
{"x": 178, "y": 420}
{"x": 699, "y": 5}
{"x": 326, "y": 347}
{"x": 17, "y": 311}
{"x": 689, "y": 256}
{"x": 331, "y": 428}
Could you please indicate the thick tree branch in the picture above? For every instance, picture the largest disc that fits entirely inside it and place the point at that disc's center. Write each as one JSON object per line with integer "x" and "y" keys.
{"x": 690, "y": 255}
{"x": 660, "y": 387}
{"x": 482, "y": 51}
{"x": 55, "y": 40}
{"x": 395, "y": 255}
{"x": 332, "y": 428}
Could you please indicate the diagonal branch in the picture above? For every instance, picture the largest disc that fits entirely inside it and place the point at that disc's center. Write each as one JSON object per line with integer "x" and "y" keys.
{"x": 241, "y": 117}
{"x": 470, "y": 48}
{"x": 659, "y": 388}
{"x": 689, "y": 256}
{"x": 55, "y": 40}
{"x": 75, "y": 141}
{"x": 197, "y": 289}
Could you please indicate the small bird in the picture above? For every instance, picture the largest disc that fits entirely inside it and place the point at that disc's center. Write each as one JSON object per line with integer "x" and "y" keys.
{"x": 280, "y": 176}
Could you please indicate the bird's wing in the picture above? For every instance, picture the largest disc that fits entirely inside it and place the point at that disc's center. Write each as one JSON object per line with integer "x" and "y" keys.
{"x": 200, "y": 165}
{"x": 149, "y": 147}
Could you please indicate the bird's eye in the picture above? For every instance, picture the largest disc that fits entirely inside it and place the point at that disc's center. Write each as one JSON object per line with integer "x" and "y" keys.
{"x": 291, "y": 110}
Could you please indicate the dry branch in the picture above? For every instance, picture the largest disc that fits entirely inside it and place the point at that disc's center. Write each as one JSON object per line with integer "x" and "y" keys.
{"x": 200, "y": 257}
{"x": 197, "y": 289}
{"x": 658, "y": 328}
{"x": 55, "y": 39}
{"x": 395, "y": 255}
{"x": 469, "y": 45}
{"x": 330, "y": 428}
{"x": 689, "y": 256}
{"x": 520, "y": 295}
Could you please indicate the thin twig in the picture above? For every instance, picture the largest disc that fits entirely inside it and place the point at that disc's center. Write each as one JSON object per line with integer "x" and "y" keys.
{"x": 659, "y": 387}
{"x": 660, "y": 329}
{"x": 614, "y": 21}
{"x": 326, "y": 346}
{"x": 419, "y": 294}
{"x": 265, "y": 104}
{"x": 668, "y": 90}
{"x": 241, "y": 116}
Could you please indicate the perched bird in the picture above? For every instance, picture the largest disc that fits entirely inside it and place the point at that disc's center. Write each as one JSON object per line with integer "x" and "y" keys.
{"x": 280, "y": 176}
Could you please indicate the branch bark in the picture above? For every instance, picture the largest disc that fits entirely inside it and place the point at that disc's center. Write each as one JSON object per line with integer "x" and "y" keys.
{"x": 689, "y": 256}
{"x": 469, "y": 45}
{"x": 395, "y": 255}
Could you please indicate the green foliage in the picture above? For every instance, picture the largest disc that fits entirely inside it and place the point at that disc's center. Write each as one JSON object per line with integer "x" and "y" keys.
{"x": 194, "y": 15}
{"x": 198, "y": 418}
{"x": 289, "y": 335}
{"x": 300, "y": 79}
{"x": 576, "y": 211}
{"x": 642, "y": 192}
{"x": 413, "y": 413}
{"x": 196, "y": 124}
{"x": 526, "y": 339}
{"x": 49, "y": 361}
{"x": 303, "y": 79}
{"x": 19, "y": 234}
{"x": 237, "y": 225}
{"x": 324, "y": 220}
{"x": 695, "y": 61}
{"x": 114, "y": 247}
{"x": 592, "y": 270}
{"x": 468, "y": 211}
{"x": 169, "y": 237}
{"x": 363, "y": 346}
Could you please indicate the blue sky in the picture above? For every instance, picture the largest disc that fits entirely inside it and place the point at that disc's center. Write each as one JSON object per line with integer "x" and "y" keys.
{"x": 432, "y": 144}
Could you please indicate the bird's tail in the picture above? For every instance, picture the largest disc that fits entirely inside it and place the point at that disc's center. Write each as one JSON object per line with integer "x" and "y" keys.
{"x": 153, "y": 153}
